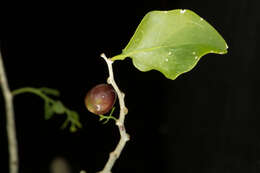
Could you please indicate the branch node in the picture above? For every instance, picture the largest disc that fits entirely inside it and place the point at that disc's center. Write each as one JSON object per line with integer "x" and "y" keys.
{"x": 114, "y": 154}
{"x": 123, "y": 94}
{"x": 125, "y": 110}
{"x": 108, "y": 80}
{"x": 127, "y": 137}
{"x": 118, "y": 123}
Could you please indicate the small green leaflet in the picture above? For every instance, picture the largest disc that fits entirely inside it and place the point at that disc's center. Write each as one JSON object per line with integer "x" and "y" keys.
{"x": 50, "y": 91}
{"x": 48, "y": 111}
{"x": 53, "y": 106}
{"x": 58, "y": 107}
{"x": 172, "y": 42}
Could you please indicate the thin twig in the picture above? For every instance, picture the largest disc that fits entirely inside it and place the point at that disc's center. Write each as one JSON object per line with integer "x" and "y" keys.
{"x": 35, "y": 91}
{"x": 124, "y": 137}
{"x": 10, "y": 120}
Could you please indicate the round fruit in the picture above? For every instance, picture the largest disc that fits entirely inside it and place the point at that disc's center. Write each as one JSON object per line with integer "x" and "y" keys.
{"x": 100, "y": 99}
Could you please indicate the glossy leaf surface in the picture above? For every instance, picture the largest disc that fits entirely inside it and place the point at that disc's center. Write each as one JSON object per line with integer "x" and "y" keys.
{"x": 172, "y": 42}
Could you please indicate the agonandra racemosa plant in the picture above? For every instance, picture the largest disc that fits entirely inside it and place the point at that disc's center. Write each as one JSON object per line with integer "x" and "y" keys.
{"x": 171, "y": 42}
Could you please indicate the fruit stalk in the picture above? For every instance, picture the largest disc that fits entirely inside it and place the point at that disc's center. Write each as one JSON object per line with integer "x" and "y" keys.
{"x": 124, "y": 137}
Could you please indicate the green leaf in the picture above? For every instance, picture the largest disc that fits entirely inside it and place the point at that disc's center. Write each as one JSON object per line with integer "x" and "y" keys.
{"x": 73, "y": 128}
{"x": 65, "y": 124}
{"x": 48, "y": 111}
{"x": 73, "y": 120}
{"x": 58, "y": 107}
{"x": 172, "y": 42}
{"x": 50, "y": 91}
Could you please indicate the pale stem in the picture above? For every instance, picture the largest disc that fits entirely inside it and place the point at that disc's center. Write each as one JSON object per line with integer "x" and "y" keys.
{"x": 124, "y": 137}
{"x": 10, "y": 120}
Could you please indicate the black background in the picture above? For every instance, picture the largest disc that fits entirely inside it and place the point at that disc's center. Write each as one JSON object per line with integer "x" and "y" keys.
{"x": 204, "y": 121}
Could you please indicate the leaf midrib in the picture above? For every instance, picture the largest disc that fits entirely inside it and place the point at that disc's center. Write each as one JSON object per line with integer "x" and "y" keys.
{"x": 129, "y": 54}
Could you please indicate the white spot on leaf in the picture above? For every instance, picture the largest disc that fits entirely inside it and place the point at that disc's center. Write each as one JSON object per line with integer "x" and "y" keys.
{"x": 193, "y": 53}
{"x": 166, "y": 60}
{"x": 196, "y": 57}
{"x": 201, "y": 19}
{"x": 169, "y": 53}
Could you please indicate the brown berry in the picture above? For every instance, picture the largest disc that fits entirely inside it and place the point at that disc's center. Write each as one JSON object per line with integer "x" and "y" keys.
{"x": 100, "y": 99}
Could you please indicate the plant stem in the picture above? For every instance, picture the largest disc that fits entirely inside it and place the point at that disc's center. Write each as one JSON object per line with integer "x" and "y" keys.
{"x": 10, "y": 120}
{"x": 34, "y": 91}
{"x": 124, "y": 137}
